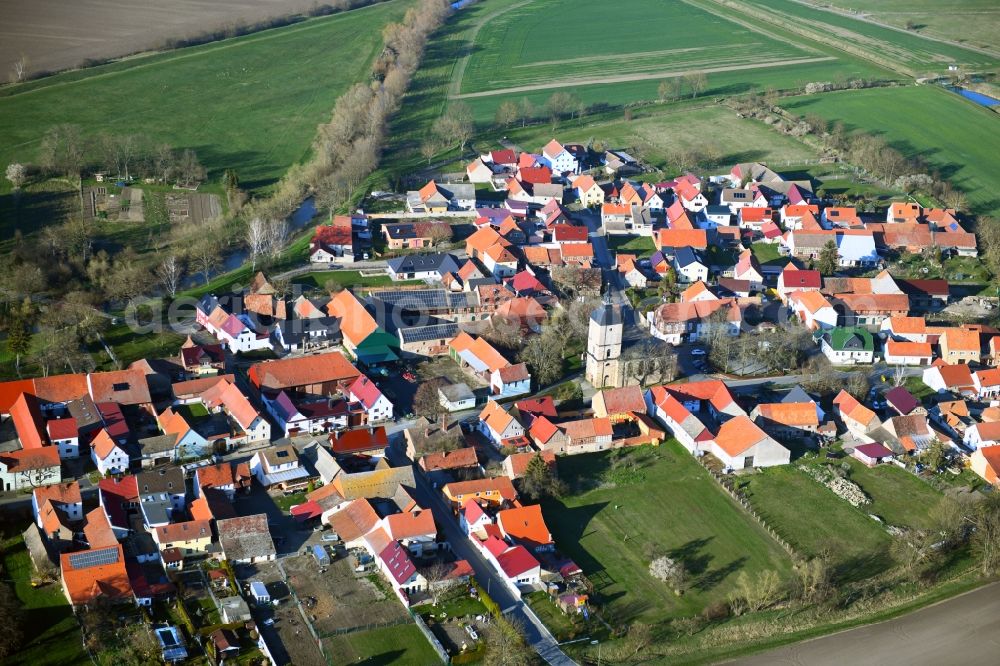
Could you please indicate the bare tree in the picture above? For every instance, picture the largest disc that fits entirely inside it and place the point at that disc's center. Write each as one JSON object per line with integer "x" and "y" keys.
{"x": 169, "y": 274}
{"x": 697, "y": 82}
{"x": 526, "y": 110}
{"x": 429, "y": 147}
{"x": 507, "y": 113}
{"x": 543, "y": 354}
{"x": 62, "y": 149}
{"x": 256, "y": 237}
{"x": 19, "y": 70}
{"x": 189, "y": 169}
{"x": 437, "y": 576}
{"x": 505, "y": 644}
{"x": 277, "y": 234}
{"x": 17, "y": 174}
{"x": 205, "y": 256}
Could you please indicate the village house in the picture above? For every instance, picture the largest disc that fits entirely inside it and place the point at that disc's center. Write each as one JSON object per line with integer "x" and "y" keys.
{"x": 788, "y": 420}
{"x": 421, "y": 267}
{"x": 791, "y": 280}
{"x": 58, "y": 510}
{"x": 246, "y": 540}
{"x": 986, "y": 463}
{"x": 848, "y": 346}
{"x": 495, "y": 491}
{"x": 901, "y": 352}
{"x": 278, "y": 466}
{"x": 415, "y": 235}
{"x": 956, "y": 378}
{"x": 959, "y": 345}
{"x": 500, "y": 426}
{"x": 813, "y": 310}
{"x": 857, "y": 418}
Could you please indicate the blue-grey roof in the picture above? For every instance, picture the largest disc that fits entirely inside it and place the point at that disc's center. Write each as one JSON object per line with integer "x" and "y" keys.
{"x": 685, "y": 256}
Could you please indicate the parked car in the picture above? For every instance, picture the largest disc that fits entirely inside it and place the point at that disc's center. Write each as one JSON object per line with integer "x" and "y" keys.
{"x": 409, "y": 376}
{"x": 269, "y": 622}
{"x": 469, "y": 629}
{"x": 698, "y": 351}
{"x": 329, "y": 537}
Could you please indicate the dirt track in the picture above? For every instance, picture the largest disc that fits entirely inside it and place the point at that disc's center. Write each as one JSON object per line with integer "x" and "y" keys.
{"x": 646, "y": 76}
{"x": 61, "y": 34}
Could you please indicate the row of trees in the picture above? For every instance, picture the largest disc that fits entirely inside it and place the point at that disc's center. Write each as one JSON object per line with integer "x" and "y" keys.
{"x": 672, "y": 88}
{"x": 559, "y": 106}
{"x": 349, "y": 146}
{"x": 67, "y": 151}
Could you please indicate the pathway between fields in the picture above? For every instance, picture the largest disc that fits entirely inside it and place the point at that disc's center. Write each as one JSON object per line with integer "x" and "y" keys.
{"x": 623, "y": 78}
{"x": 961, "y": 630}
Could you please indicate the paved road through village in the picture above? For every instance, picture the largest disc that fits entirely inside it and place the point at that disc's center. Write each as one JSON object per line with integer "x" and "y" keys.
{"x": 961, "y": 630}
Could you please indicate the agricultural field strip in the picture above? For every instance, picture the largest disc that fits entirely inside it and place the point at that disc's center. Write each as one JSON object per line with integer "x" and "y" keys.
{"x": 912, "y": 48}
{"x": 490, "y": 67}
{"x": 866, "y": 16}
{"x": 569, "y": 83}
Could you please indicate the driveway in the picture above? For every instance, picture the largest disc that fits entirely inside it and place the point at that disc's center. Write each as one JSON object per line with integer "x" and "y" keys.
{"x": 962, "y": 630}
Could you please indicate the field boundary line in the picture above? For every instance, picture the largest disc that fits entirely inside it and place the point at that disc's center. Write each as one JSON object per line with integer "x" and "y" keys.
{"x": 458, "y": 73}
{"x": 714, "y": 11}
{"x": 648, "y": 76}
{"x": 211, "y": 47}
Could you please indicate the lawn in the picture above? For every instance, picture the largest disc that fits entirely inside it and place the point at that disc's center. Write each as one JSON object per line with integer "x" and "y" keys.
{"x": 905, "y": 47}
{"x": 642, "y": 246}
{"x": 348, "y": 279}
{"x": 767, "y": 253}
{"x": 402, "y": 644}
{"x": 251, "y": 103}
{"x": 51, "y": 633}
{"x": 286, "y": 502}
{"x": 965, "y": 149}
{"x": 714, "y": 131}
{"x": 612, "y": 523}
{"x": 898, "y": 497}
{"x": 815, "y": 521}
{"x": 974, "y": 21}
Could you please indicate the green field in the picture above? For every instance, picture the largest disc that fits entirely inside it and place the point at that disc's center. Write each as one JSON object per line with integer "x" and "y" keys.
{"x": 817, "y": 522}
{"x": 379, "y": 647}
{"x": 551, "y": 41}
{"x": 251, "y": 103}
{"x": 611, "y": 524}
{"x": 974, "y": 20}
{"x": 530, "y": 48}
{"x": 51, "y": 633}
{"x": 953, "y": 135}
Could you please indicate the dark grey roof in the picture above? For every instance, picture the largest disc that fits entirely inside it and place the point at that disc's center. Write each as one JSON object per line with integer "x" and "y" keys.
{"x": 685, "y": 256}
{"x": 607, "y": 314}
{"x": 425, "y": 299}
{"x": 165, "y": 480}
{"x": 797, "y": 394}
{"x": 419, "y": 263}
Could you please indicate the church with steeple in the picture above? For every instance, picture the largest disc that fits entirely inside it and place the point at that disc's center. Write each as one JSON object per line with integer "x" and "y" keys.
{"x": 604, "y": 346}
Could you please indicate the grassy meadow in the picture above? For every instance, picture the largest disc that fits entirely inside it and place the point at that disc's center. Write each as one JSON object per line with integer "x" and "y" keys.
{"x": 251, "y": 103}
{"x": 953, "y": 135}
{"x": 969, "y": 22}
{"x": 612, "y": 522}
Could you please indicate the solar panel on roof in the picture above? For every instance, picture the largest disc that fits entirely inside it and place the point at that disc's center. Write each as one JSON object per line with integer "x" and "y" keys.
{"x": 93, "y": 558}
{"x": 418, "y": 298}
{"x": 432, "y": 332}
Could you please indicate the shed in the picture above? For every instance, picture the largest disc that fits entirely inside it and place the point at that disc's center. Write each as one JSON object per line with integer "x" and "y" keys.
{"x": 872, "y": 454}
{"x": 322, "y": 558}
{"x": 260, "y": 593}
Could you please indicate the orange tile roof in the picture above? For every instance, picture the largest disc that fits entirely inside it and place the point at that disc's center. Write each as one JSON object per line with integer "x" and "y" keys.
{"x": 31, "y": 459}
{"x": 495, "y": 416}
{"x": 852, "y": 409}
{"x": 355, "y": 520}
{"x": 960, "y": 339}
{"x": 98, "y": 530}
{"x": 84, "y": 584}
{"x": 676, "y": 238}
{"x": 216, "y": 476}
{"x": 186, "y": 531}
{"x": 11, "y": 391}
{"x": 500, "y": 485}
{"x": 519, "y": 461}
{"x": 226, "y": 394}
{"x": 126, "y": 387}
{"x": 411, "y": 524}
{"x": 586, "y": 428}
{"x": 739, "y": 434}
{"x": 991, "y": 457}
{"x": 898, "y": 348}
{"x": 27, "y": 417}
{"x": 525, "y": 524}
{"x": 989, "y": 377}
{"x": 355, "y": 322}
{"x": 61, "y": 388}
{"x": 909, "y": 325}
{"x": 103, "y": 445}
{"x": 66, "y": 493}
{"x": 622, "y": 400}
{"x": 813, "y": 301}
{"x": 303, "y": 371}
{"x": 790, "y": 413}
{"x": 457, "y": 459}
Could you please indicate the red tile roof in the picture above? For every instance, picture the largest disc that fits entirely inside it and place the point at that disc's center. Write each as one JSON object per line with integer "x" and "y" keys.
{"x": 85, "y": 583}
{"x": 303, "y": 371}
{"x": 359, "y": 440}
{"x": 516, "y": 561}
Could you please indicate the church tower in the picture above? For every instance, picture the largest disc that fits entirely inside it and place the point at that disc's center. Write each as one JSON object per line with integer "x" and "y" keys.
{"x": 604, "y": 345}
